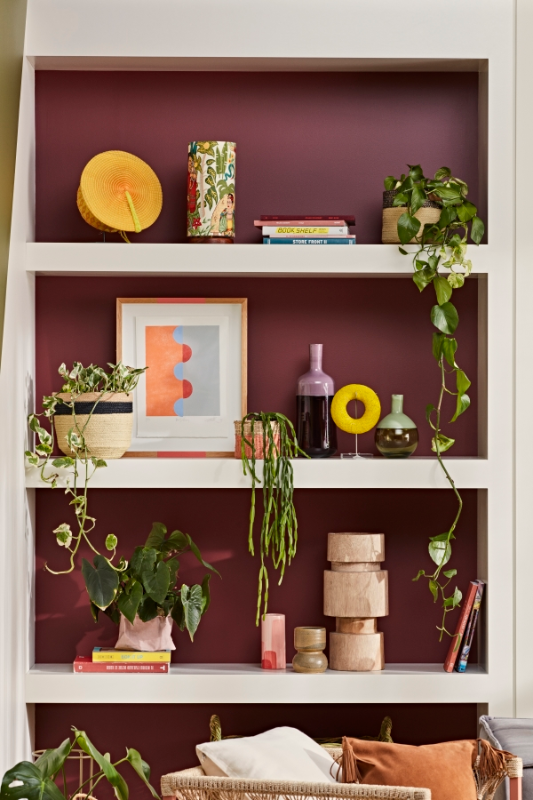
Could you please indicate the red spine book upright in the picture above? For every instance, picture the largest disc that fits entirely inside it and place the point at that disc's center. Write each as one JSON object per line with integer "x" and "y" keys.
{"x": 455, "y": 644}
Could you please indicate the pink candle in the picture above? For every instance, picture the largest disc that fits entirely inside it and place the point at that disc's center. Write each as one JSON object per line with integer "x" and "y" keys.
{"x": 273, "y": 642}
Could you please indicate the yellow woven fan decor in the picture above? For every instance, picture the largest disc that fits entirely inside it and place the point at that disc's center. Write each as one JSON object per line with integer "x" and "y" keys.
{"x": 119, "y": 192}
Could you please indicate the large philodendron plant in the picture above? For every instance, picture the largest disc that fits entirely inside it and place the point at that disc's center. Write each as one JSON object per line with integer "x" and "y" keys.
{"x": 440, "y": 259}
{"x": 147, "y": 586}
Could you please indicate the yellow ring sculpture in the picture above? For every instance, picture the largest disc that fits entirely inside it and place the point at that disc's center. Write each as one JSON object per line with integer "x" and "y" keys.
{"x": 370, "y": 400}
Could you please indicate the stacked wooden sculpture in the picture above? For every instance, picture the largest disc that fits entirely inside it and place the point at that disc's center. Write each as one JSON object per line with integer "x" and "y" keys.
{"x": 356, "y": 592}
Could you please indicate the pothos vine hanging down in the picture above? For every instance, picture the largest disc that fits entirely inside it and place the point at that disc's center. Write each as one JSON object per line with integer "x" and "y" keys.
{"x": 440, "y": 246}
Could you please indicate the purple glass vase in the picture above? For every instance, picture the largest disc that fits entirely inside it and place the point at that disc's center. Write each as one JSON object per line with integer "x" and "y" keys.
{"x": 315, "y": 430}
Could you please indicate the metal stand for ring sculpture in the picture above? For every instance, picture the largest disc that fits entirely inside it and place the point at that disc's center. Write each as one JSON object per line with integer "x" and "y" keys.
{"x": 356, "y": 591}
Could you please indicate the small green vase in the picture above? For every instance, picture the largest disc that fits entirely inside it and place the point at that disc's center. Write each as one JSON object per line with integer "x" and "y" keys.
{"x": 396, "y": 434}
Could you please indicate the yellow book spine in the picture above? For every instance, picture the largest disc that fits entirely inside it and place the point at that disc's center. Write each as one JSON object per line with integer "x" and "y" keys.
{"x": 306, "y": 231}
{"x": 129, "y": 655}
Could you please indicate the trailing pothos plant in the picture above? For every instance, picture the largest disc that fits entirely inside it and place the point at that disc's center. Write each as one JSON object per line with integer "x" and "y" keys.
{"x": 437, "y": 247}
{"x": 80, "y": 466}
{"x": 146, "y": 587}
{"x": 279, "y": 526}
{"x": 37, "y": 780}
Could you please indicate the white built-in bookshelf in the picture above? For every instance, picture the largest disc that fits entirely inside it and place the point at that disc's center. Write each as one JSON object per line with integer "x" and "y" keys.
{"x": 349, "y": 36}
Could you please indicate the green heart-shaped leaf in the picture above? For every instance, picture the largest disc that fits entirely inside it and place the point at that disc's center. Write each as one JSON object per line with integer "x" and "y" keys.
{"x": 445, "y": 317}
{"x": 477, "y": 230}
{"x": 157, "y": 582}
{"x": 443, "y": 290}
{"x": 408, "y": 227}
{"x": 101, "y": 581}
{"x": 156, "y": 535}
{"x": 128, "y": 602}
{"x": 192, "y": 600}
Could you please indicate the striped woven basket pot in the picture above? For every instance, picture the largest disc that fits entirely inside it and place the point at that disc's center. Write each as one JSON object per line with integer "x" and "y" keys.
{"x": 257, "y": 440}
{"x": 429, "y": 213}
{"x": 107, "y": 432}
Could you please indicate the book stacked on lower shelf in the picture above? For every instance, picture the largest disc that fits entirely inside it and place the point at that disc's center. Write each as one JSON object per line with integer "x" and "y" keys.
{"x": 302, "y": 230}
{"x": 107, "y": 659}
{"x": 463, "y": 637}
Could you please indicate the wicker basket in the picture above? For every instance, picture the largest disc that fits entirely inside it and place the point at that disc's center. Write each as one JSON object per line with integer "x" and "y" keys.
{"x": 258, "y": 438}
{"x": 192, "y": 784}
{"x": 108, "y": 432}
{"x": 428, "y": 214}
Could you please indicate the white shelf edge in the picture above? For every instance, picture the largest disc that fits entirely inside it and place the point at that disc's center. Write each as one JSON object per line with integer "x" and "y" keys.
{"x": 335, "y": 473}
{"x": 248, "y": 683}
{"x": 253, "y": 64}
{"x": 246, "y": 260}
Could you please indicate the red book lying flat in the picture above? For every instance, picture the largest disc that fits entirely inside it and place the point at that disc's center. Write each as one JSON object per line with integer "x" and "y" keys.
{"x": 86, "y": 664}
{"x": 455, "y": 645}
{"x": 349, "y": 219}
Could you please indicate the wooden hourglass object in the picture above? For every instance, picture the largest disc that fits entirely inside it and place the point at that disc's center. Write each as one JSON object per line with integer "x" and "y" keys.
{"x": 356, "y": 592}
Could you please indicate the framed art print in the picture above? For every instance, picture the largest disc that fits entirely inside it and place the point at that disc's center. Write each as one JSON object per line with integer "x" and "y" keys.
{"x": 195, "y": 385}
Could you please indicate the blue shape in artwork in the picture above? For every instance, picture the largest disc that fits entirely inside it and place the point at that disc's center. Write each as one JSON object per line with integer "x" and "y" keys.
{"x": 178, "y": 371}
{"x": 178, "y": 408}
{"x": 177, "y": 334}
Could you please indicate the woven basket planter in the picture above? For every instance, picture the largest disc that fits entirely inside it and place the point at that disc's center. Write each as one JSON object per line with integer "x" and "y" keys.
{"x": 257, "y": 439}
{"x": 108, "y": 432}
{"x": 429, "y": 213}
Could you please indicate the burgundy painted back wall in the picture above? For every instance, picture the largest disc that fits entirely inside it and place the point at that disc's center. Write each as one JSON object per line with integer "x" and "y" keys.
{"x": 217, "y": 520}
{"x": 309, "y": 143}
{"x": 306, "y": 143}
{"x": 375, "y": 332}
{"x": 166, "y": 734}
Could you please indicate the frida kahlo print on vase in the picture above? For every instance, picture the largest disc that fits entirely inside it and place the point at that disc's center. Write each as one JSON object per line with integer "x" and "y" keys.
{"x": 211, "y": 189}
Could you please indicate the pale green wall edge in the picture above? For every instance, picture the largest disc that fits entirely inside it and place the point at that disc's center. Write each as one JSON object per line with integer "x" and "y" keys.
{"x": 12, "y": 25}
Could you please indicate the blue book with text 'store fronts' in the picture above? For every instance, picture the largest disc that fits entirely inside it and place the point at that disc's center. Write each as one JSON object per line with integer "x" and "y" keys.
{"x": 309, "y": 240}
{"x": 470, "y": 630}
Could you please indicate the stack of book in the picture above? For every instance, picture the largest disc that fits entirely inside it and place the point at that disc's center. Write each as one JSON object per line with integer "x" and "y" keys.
{"x": 306, "y": 230}
{"x": 461, "y": 643}
{"x": 107, "y": 659}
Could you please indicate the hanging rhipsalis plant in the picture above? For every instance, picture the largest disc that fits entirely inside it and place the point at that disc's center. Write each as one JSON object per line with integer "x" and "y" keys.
{"x": 274, "y": 438}
{"x": 441, "y": 246}
{"x": 94, "y": 386}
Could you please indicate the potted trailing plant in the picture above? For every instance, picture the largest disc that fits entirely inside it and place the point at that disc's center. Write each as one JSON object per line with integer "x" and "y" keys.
{"x": 271, "y": 437}
{"x": 142, "y": 595}
{"x": 37, "y": 781}
{"x": 440, "y": 259}
{"x": 84, "y": 434}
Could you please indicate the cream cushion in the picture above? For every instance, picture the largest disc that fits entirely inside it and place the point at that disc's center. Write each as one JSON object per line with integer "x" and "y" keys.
{"x": 276, "y": 755}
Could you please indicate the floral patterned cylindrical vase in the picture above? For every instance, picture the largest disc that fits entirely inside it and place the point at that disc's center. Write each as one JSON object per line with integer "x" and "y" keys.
{"x": 211, "y": 192}
{"x": 273, "y": 641}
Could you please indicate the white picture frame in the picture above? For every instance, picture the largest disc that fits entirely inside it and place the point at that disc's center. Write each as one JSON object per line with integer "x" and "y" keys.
{"x": 175, "y": 416}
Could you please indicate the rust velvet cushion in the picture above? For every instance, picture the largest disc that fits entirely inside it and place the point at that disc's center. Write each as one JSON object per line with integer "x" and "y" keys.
{"x": 444, "y": 768}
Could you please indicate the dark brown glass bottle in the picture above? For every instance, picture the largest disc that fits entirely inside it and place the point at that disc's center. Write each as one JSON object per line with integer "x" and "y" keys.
{"x": 315, "y": 429}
